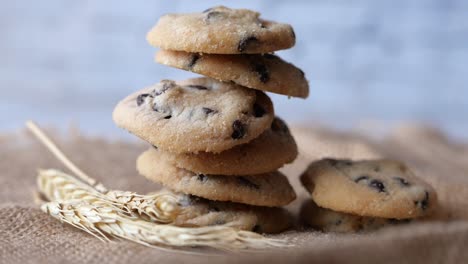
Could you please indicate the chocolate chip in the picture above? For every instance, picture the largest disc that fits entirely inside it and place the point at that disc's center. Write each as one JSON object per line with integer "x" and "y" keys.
{"x": 361, "y": 178}
{"x": 202, "y": 177}
{"x": 207, "y": 10}
{"x": 378, "y": 185}
{"x": 208, "y": 111}
{"x": 238, "y": 130}
{"x": 302, "y": 72}
{"x": 258, "y": 110}
{"x": 262, "y": 71}
{"x": 162, "y": 111}
{"x": 198, "y": 87}
{"x": 270, "y": 56}
{"x": 213, "y": 15}
{"x": 245, "y": 42}
{"x": 193, "y": 59}
{"x": 338, "y": 222}
{"x": 166, "y": 86}
{"x": 244, "y": 181}
{"x": 278, "y": 126}
{"x": 424, "y": 203}
{"x": 141, "y": 98}
{"x": 402, "y": 181}
{"x": 293, "y": 34}
{"x": 347, "y": 162}
{"x": 155, "y": 147}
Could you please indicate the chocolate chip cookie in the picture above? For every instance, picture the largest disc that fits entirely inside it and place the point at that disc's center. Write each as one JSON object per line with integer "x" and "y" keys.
{"x": 375, "y": 188}
{"x": 221, "y": 30}
{"x": 197, "y": 211}
{"x": 265, "y": 72}
{"x": 270, "y": 151}
{"x": 330, "y": 221}
{"x": 268, "y": 189}
{"x": 195, "y": 115}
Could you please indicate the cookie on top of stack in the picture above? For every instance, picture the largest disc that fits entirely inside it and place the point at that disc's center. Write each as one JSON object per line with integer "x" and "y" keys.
{"x": 351, "y": 196}
{"x": 216, "y": 142}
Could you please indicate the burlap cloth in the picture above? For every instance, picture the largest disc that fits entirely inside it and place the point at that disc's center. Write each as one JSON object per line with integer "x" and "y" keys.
{"x": 29, "y": 236}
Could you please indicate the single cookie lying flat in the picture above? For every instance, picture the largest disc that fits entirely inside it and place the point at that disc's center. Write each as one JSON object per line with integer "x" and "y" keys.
{"x": 221, "y": 30}
{"x": 266, "y": 72}
{"x": 376, "y": 188}
{"x": 269, "y": 189}
{"x": 195, "y": 115}
{"x": 270, "y": 151}
{"x": 330, "y": 221}
{"x": 197, "y": 211}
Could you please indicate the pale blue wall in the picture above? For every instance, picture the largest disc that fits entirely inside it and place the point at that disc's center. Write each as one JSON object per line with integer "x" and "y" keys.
{"x": 384, "y": 60}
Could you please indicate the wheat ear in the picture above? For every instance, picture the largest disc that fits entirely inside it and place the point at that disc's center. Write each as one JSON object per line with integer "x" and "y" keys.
{"x": 160, "y": 207}
{"x": 104, "y": 222}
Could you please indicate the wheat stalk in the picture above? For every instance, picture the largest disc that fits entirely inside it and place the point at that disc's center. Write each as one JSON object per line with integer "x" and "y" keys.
{"x": 160, "y": 207}
{"x": 104, "y": 222}
{"x": 41, "y": 136}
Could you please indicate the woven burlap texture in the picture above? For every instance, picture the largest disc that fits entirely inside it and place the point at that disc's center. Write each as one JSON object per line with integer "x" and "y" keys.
{"x": 30, "y": 236}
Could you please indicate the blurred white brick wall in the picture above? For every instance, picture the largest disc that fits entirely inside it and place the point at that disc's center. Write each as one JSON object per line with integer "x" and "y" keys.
{"x": 378, "y": 60}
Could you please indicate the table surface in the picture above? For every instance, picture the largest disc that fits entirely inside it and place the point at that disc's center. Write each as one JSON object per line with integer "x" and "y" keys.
{"x": 30, "y": 236}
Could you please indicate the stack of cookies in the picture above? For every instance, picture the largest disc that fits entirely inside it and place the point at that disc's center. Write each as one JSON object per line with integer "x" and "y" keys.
{"x": 351, "y": 196}
{"x": 215, "y": 140}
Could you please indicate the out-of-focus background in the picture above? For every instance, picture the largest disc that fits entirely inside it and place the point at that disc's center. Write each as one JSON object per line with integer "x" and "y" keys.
{"x": 371, "y": 64}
